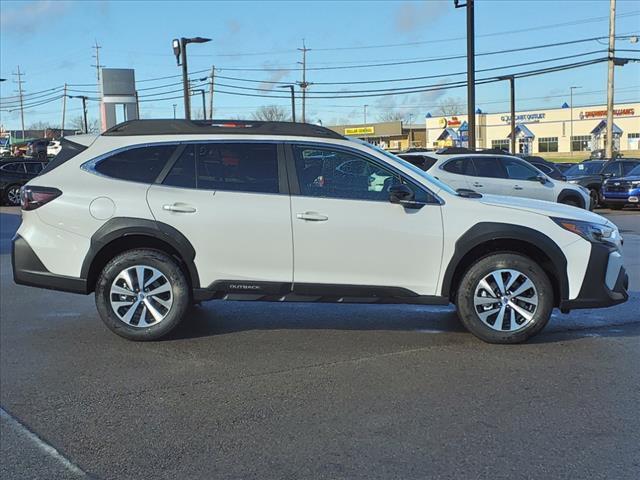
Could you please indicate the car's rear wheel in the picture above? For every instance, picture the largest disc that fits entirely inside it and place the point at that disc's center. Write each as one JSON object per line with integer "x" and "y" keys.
{"x": 142, "y": 294}
{"x": 505, "y": 298}
{"x": 12, "y": 195}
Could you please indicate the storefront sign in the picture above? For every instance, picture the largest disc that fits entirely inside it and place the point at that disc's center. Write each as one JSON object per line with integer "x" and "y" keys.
{"x": 359, "y": 130}
{"x": 603, "y": 113}
{"x": 442, "y": 122}
{"x": 454, "y": 122}
{"x": 525, "y": 117}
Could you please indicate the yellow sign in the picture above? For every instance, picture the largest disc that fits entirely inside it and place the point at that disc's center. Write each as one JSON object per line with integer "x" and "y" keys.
{"x": 442, "y": 122}
{"x": 359, "y": 130}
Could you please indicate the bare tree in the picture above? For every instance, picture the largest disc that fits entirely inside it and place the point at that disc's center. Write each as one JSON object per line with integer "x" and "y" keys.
{"x": 391, "y": 116}
{"x": 40, "y": 126}
{"x": 77, "y": 123}
{"x": 271, "y": 113}
{"x": 450, "y": 106}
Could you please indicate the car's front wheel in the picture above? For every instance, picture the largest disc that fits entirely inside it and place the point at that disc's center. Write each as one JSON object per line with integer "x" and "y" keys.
{"x": 505, "y": 298}
{"x": 142, "y": 294}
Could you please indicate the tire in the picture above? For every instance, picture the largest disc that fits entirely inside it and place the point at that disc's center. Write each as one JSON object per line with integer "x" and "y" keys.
{"x": 595, "y": 197}
{"x": 161, "y": 274}
{"x": 474, "y": 302}
{"x": 12, "y": 195}
{"x": 570, "y": 201}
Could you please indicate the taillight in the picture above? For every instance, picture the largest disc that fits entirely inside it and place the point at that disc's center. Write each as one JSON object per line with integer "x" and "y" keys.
{"x": 32, "y": 197}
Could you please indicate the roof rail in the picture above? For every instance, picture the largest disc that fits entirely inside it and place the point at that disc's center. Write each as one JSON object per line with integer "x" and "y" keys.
{"x": 487, "y": 151}
{"x": 452, "y": 150}
{"x": 231, "y": 127}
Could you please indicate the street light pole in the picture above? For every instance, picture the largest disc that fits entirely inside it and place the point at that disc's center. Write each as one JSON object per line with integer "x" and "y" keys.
{"x": 571, "y": 89}
{"x": 365, "y": 114}
{"x": 84, "y": 99}
{"x": 471, "y": 68}
{"x": 180, "y": 51}
{"x": 293, "y": 101}
{"x": 174, "y": 110}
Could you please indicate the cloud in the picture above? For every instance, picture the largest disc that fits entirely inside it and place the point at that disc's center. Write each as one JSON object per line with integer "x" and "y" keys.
{"x": 412, "y": 16}
{"x": 31, "y": 16}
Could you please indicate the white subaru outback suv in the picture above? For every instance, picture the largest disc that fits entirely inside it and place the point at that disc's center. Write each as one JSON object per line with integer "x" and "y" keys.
{"x": 500, "y": 174}
{"x": 154, "y": 215}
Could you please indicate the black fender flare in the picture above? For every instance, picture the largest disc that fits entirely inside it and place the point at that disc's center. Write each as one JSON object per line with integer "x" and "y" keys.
{"x": 119, "y": 227}
{"x": 487, "y": 231}
{"x": 567, "y": 192}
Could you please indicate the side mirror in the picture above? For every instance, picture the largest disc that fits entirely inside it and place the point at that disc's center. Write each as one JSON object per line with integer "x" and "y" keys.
{"x": 563, "y": 178}
{"x": 542, "y": 179}
{"x": 400, "y": 194}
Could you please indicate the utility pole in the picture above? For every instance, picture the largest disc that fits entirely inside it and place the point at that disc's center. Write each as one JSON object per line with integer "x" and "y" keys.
{"x": 304, "y": 84}
{"x": 571, "y": 89}
{"x": 471, "y": 71}
{"x": 612, "y": 46}
{"x": 211, "y": 87}
{"x": 84, "y": 99}
{"x": 19, "y": 81}
{"x": 365, "y": 114}
{"x": 64, "y": 109}
{"x": 96, "y": 55}
{"x": 512, "y": 99}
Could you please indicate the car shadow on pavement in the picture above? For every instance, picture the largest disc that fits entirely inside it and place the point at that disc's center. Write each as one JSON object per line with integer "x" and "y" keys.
{"x": 217, "y": 318}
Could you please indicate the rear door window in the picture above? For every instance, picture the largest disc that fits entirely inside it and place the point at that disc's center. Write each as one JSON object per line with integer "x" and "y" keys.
{"x": 68, "y": 150}
{"x": 243, "y": 167}
{"x": 490, "y": 167}
{"x": 460, "y": 166}
{"x": 142, "y": 164}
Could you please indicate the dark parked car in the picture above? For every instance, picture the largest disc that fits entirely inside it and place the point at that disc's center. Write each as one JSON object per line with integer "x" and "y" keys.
{"x": 592, "y": 173}
{"x": 564, "y": 166}
{"x": 618, "y": 192}
{"x": 37, "y": 149}
{"x": 420, "y": 159}
{"x": 13, "y": 174}
{"x": 549, "y": 168}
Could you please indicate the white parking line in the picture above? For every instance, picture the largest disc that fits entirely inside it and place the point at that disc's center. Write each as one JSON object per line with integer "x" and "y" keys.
{"x": 42, "y": 445}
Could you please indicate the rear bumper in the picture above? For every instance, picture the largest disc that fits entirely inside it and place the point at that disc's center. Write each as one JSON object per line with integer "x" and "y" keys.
{"x": 29, "y": 270}
{"x": 605, "y": 282}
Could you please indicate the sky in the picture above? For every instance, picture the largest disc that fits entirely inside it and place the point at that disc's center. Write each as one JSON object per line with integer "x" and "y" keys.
{"x": 255, "y": 43}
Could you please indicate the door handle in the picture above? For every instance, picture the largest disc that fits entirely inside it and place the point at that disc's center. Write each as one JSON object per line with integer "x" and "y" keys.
{"x": 312, "y": 217}
{"x": 517, "y": 187}
{"x": 179, "y": 208}
{"x": 476, "y": 184}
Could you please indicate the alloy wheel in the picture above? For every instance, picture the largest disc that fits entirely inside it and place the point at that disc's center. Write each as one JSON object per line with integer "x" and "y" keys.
{"x": 13, "y": 195}
{"x": 506, "y": 300}
{"x": 141, "y": 296}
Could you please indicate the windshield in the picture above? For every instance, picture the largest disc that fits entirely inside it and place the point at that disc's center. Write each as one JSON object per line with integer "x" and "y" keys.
{"x": 586, "y": 168}
{"x": 634, "y": 172}
{"x": 437, "y": 183}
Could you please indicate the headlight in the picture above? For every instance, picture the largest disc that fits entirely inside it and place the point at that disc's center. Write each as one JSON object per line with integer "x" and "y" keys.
{"x": 635, "y": 183}
{"x": 592, "y": 232}
{"x": 573, "y": 181}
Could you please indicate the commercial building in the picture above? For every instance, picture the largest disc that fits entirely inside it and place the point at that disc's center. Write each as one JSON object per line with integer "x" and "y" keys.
{"x": 562, "y": 130}
{"x": 393, "y": 136}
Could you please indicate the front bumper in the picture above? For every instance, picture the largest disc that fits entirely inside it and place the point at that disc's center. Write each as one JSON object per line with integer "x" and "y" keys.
{"x": 605, "y": 280}
{"x": 29, "y": 270}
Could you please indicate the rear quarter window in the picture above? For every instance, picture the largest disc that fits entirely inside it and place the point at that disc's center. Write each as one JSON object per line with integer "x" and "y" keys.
{"x": 141, "y": 164}
{"x": 68, "y": 150}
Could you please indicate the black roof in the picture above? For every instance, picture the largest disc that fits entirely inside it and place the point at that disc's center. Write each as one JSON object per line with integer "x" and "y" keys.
{"x": 227, "y": 127}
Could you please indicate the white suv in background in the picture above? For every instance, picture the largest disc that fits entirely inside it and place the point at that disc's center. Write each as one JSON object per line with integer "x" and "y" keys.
{"x": 154, "y": 215}
{"x": 501, "y": 174}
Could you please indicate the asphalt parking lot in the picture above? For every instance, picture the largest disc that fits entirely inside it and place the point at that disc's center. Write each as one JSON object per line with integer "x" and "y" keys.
{"x": 316, "y": 391}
